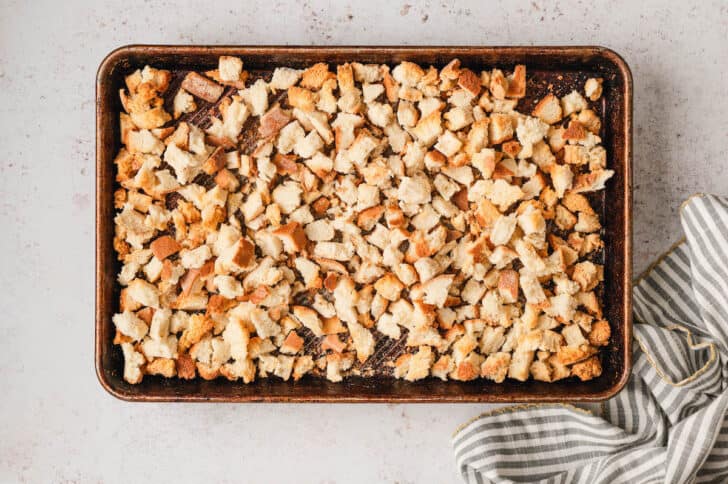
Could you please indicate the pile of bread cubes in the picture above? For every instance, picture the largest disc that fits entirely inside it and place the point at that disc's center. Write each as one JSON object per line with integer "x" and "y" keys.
{"x": 373, "y": 203}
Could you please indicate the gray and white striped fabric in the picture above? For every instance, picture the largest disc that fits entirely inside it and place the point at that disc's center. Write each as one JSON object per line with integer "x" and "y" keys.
{"x": 669, "y": 424}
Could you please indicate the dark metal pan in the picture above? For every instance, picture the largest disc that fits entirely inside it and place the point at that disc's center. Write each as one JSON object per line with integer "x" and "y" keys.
{"x": 558, "y": 68}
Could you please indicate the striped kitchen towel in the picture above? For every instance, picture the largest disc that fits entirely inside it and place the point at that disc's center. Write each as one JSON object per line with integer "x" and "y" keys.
{"x": 669, "y": 424}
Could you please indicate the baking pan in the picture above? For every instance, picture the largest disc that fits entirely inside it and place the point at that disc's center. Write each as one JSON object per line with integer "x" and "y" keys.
{"x": 558, "y": 68}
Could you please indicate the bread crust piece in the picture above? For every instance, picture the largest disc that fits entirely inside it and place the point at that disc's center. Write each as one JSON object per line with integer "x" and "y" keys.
{"x": 517, "y": 82}
{"x": 202, "y": 87}
{"x": 272, "y": 121}
{"x": 469, "y": 81}
{"x": 164, "y": 246}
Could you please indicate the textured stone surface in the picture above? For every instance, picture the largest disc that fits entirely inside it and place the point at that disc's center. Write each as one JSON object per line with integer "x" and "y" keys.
{"x": 58, "y": 425}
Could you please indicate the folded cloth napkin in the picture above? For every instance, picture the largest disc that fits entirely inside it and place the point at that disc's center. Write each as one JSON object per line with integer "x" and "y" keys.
{"x": 669, "y": 424}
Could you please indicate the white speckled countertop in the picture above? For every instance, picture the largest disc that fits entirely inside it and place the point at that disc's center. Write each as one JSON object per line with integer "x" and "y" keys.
{"x": 56, "y": 422}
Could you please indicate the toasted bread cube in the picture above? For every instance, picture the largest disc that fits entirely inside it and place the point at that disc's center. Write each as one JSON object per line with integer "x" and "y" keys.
{"x": 600, "y": 333}
{"x": 576, "y": 155}
{"x": 230, "y": 68}
{"x": 130, "y": 325}
{"x": 407, "y": 114}
{"x": 470, "y": 81}
{"x": 448, "y": 144}
{"x": 144, "y": 293}
{"x": 301, "y": 98}
{"x": 458, "y": 118}
{"x": 389, "y": 287}
{"x": 587, "y": 182}
{"x": 469, "y": 368}
{"x": 588, "y": 222}
{"x": 315, "y": 76}
{"x": 587, "y": 370}
{"x": 573, "y": 103}
{"x": 408, "y": 73}
{"x": 593, "y": 88}
{"x": 564, "y": 219}
{"x": 284, "y": 77}
{"x": 428, "y": 128}
{"x": 198, "y": 327}
{"x": 380, "y": 114}
{"x": 508, "y": 285}
{"x": 292, "y": 344}
{"x": 293, "y": 237}
{"x": 333, "y": 250}
{"x": 420, "y": 364}
{"x": 568, "y": 355}
{"x": 520, "y": 365}
{"x": 195, "y": 258}
{"x": 495, "y": 367}
{"x": 562, "y": 178}
{"x": 504, "y": 194}
{"x": 162, "y": 366}
{"x": 442, "y": 367}
{"x": 502, "y": 229}
{"x": 436, "y": 290}
{"x": 586, "y": 274}
{"x": 257, "y": 97}
{"x": 573, "y": 335}
{"x": 288, "y": 196}
{"x": 415, "y": 190}
{"x": 164, "y": 246}
{"x": 548, "y": 109}
{"x": 371, "y": 92}
{"x": 273, "y": 121}
{"x": 517, "y": 82}
{"x": 133, "y": 362}
{"x": 498, "y": 84}
{"x": 500, "y": 128}
{"x": 590, "y": 121}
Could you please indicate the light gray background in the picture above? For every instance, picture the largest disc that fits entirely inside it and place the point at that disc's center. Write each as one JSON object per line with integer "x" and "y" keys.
{"x": 58, "y": 425}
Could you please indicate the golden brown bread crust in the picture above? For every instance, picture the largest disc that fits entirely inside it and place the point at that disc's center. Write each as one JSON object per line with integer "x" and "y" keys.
{"x": 315, "y": 76}
{"x": 162, "y": 366}
{"x": 293, "y": 232}
{"x": 517, "y": 82}
{"x": 272, "y": 122}
{"x": 600, "y": 333}
{"x": 215, "y": 162}
{"x": 469, "y": 81}
{"x": 202, "y": 87}
{"x": 588, "y": 369}
{"x": 164, "y": 246}
{"x": 199, "y": 326}
{"x": 301, "y": 98}
{"x": 186, "y": 368}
